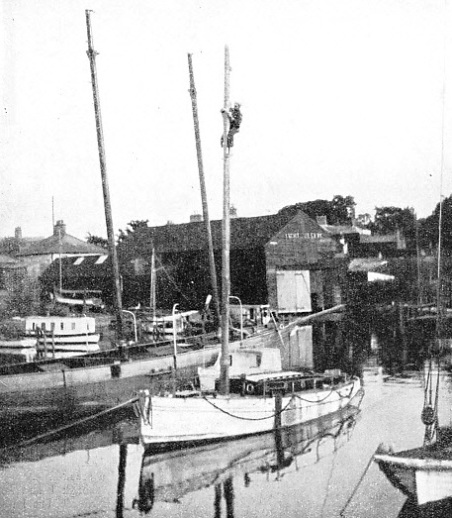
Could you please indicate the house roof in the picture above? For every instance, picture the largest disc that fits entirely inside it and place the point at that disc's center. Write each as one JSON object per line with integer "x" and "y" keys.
{"x": 366, "y": 264}
{"x": 7, "y": 260}
{"x": 389, "y": 238}
{"x": 345, "y": 229}
{"x": 246, "y": 233}
{"x": 67, "y": 244}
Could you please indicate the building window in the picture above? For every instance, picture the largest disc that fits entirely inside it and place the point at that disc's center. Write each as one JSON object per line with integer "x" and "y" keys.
{"x": 101, "y": 259}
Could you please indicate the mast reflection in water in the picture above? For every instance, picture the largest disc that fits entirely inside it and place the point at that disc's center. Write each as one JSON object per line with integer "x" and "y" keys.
{"x": 170, "y": 475}
{"x": 104, "y": 470}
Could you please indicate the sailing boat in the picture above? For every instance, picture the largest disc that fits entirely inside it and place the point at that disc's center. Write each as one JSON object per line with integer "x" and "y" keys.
{"x": 246, "y": 392}
{"x": 424, "y": 474}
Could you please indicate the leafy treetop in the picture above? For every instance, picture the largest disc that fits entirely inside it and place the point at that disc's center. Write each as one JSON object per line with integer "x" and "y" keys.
{"x": 339, "y": 211}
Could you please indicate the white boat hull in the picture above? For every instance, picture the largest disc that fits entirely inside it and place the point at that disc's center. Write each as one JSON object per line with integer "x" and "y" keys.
{"x": 173, "y": 473}
{"x": 424, "y": 479}
{"x": 67, "y": 346}
{"x": 71, "y": 340}
{"x": 20, "y": 343}
{"x": 167, "y": 420}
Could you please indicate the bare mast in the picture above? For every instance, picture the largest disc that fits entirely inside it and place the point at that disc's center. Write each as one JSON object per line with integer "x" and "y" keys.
{"x": 225, "y": 288}
{"x": 153, "y": 299}
{"x": 205, "y": 209}
{"x": 117, "y": 302}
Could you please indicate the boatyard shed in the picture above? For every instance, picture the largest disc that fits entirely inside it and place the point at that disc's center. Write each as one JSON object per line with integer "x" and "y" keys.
{"x": 288, "y": 262}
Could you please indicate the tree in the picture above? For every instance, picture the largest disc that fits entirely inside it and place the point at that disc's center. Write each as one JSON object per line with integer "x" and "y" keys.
{"x": 429, "y": 228}
{"x": 22, "y": 297}
{"x": 339, "y": 211}
{"x": 389, "y": 220}
{"x": 133, "y": 226}
{"x": 98, "y": 241}
{"x": 343, "y": 209}
{"x": 9, "y": 246}
{"x": 364, "y": 220}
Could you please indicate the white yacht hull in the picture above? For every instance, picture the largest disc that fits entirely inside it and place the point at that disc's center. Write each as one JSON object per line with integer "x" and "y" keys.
{"x": 167, "y": 420}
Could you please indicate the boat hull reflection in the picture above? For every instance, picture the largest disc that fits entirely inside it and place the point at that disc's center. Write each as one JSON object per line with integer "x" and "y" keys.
{"x": 167, "y": 476}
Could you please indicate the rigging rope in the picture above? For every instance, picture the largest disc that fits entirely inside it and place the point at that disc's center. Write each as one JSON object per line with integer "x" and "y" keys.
{"x": 70, "y": 425}
{"x": 294, "y": 396}
{"x": 429, "y": 414}
{"x": 172, "y": 281}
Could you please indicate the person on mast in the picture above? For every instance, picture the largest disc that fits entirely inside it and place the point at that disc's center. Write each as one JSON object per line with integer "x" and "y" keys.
{"x": 235, "y": 119}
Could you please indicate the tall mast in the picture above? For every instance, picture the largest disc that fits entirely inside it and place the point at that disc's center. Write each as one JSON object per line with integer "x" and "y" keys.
{"x": 60, "y": 246}
{"x": 153, "y": 302}
{"x": 225, "y": 288}
{"x": 117, "y": 302}
{"x": 205, "y": 209}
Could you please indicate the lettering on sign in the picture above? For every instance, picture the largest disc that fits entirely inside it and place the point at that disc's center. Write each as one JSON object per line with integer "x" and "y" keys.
{"x": 307, "y": 235}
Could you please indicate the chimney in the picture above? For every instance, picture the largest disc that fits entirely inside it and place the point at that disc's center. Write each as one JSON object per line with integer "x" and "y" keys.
{"x": 232, "y": 211}
{"x": 321, "y": 220}
{"x": 59, "y": 230}
{"x": 18, "y": 233}
{"x": 195, "y": 218}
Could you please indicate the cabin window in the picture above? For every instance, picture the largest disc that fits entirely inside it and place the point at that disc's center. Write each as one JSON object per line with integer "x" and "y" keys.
{"x": 43, "y": 326}
{"x": 230, "y": 360}
{"x": 61, "y": 326}
{"x": 73, "y": 326}
{"x": 34, "y": 326}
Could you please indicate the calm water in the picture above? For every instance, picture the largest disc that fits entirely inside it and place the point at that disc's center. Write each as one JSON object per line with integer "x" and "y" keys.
{"x": 319, "y": 471}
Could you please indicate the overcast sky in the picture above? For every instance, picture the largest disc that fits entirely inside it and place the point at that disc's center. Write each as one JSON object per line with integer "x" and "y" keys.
{"x": 338, "y": 97}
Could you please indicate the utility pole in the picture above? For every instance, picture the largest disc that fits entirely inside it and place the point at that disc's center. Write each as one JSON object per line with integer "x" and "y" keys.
{"x": 205, "y": 209}
{"x": 225, "y": 288}
{"x": 117, "y": 302}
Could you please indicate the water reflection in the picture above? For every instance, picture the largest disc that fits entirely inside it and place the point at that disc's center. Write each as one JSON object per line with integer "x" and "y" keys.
{"x": 170, "y": 475}
{"x": 103, "y": 470}
{"x": 100, "y": 468}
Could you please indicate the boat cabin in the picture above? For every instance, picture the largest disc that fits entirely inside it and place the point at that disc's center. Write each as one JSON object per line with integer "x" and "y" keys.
{"x": 60, "y": 326}
{"x": 242, "y": 363}
{"x": 259, "y": 372}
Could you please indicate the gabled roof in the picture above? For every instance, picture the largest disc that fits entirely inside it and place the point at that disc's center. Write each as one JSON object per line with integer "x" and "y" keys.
{"x": 66, "y": 245}
{"x": 246, "y": 233}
